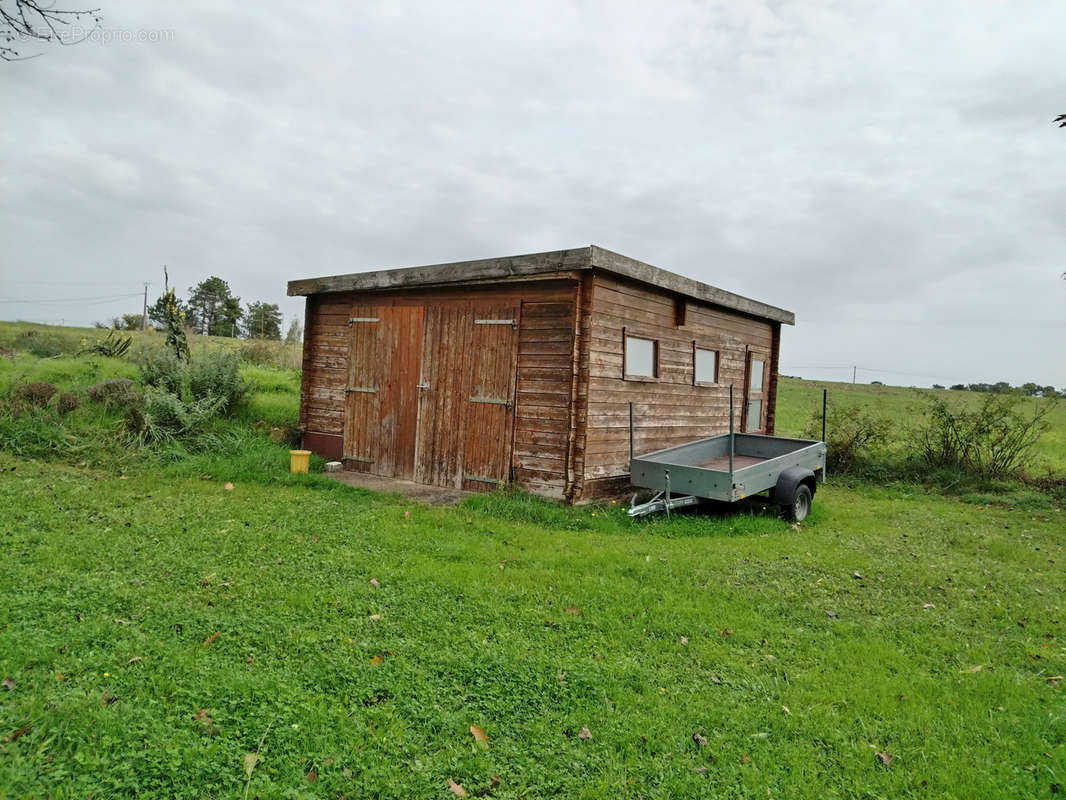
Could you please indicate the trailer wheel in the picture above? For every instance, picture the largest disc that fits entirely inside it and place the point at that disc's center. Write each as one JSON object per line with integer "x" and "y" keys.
{"x": 800, "y": 507}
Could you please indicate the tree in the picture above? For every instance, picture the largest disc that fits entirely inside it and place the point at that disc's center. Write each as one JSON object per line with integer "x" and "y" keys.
{"x": 38, "y": 20}
{"x": 937, "y": 386}
{"x": 958, "y": 387}
{"x": 295, "y": 332}
{"x": 213, "y": 310}
{"x": 263, "y": 321}
{"x": 157, "y": 312}
{"x": 132, "y": 322}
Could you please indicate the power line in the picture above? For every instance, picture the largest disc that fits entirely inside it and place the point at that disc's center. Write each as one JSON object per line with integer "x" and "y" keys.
{"x": 86, "y": 300}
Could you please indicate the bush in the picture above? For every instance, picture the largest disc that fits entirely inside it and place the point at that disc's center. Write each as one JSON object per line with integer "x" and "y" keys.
{"x": 117, "y": 393}
{"x": 990, "y": 441}
{"x": 46, "y": 346}
{"x": 114, "y": 346}
{"x": 36, "y": 394}
{"x": 853, "y": 435}
{"x": 216, "y": 375}
{"x": 164, "y": 417}
{"x": 163, "y": 370}
{"x": 259, "y": 352}
{"x": 67, "y": 402}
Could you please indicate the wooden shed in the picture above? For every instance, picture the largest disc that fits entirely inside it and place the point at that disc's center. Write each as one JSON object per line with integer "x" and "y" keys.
{"x": 520, "y": 369}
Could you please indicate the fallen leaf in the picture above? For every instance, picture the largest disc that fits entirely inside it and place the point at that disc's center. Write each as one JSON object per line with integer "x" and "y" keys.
{"x": 745, "y": 759}
{"x": 108, "y": 699}
{"x": 376, "y": 660}
{"x": 202, "y": 716}
{"x": 1054, "y": 680}
{"x": 20, "y": 732}
{"x": 1021, "y": 623}
{"x": 311, "y": 776}
{"x": 726, "y": 632}
{"x": 857, "y": 575}
{"x": 832, "y": 614}
{"x": 374, "y": 583}
{"x": 9, "y": 684}
{"x": 479, "y": 735}
{"x": 456, "y": 788}
{"x": 973, "y": 669}
{"x": 210, "y": 639}
{"x": 407, "y": 515}
{"x": 684, "y": 640}
{"x": 134, "y": 660}
{"x": 769, "y": 656}
{"x": 574, "y": 610}
{"x": 505, "y": 562}
{"x": 60, "y": 676}
{"x": 700, "y": 740}
{"x": 375, "y": 617}
{"x": 229, "y": 486}
{"x": 486, "y": 790}
{"x": 250, "y": 760}
{"x": 928, "y": 606}
{"x": 786, "y": 710}
{"x": 884, "y": 758}
{"x": 206, "y": 580}
{"x": 701, "y": 770}
{"x": 584, "y": 733}
{"x": 716, "y": 680}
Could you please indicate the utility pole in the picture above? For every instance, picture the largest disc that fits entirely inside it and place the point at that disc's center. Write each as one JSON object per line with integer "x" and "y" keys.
{"x": 144, "y": 314}
{"x": 853, "y": 371}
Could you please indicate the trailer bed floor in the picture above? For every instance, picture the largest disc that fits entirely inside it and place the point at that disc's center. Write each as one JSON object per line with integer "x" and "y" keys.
{"x": 721, "y": 463}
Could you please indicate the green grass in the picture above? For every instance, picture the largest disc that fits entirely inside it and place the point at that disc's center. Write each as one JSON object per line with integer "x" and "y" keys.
{"x": 112, "y": 587}
{"x": 525, "y": 618}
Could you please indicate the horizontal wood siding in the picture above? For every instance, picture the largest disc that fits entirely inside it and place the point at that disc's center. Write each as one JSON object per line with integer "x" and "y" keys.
{"x": 670, "y": 410}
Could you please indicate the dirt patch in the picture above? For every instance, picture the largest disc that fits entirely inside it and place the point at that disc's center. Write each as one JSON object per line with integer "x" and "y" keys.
{"x": 433, "y": 495}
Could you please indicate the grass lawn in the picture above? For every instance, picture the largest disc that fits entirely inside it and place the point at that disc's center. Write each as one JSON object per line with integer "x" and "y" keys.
{"x": 158, "y": 629}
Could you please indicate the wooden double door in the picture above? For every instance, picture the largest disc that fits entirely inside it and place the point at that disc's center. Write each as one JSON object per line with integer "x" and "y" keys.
{"x": 431, "y": 393}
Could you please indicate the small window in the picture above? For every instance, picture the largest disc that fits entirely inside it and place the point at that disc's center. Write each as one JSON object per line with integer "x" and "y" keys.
{"x": 754, "y": 416}
{"x": 641, "y": 357}
{"x": 705, "y": 366}
{"x": 756, "y": 376}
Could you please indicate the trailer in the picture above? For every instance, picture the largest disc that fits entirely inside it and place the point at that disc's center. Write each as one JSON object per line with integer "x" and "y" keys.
{"x": 731, "y": 467}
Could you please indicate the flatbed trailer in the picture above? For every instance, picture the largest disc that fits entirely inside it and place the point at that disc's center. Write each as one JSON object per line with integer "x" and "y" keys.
{"x": 731, "y": 467}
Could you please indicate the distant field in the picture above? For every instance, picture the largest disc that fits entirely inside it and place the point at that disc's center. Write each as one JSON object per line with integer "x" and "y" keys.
{"x": 61, "y": 339}
{"x": 797, "y": 399}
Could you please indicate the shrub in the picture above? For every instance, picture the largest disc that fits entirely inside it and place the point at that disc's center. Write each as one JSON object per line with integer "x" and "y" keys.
{"x": 259, "y": 352}
{"x": 67, "y": 402}
{"x": 114, "y": 346}
{"x": 852, "y": 434}
{"x": 216, "y": 374}
{"x": 117, "y": 393}
{"x": 37, "y": 394}
{"x": 164, "y": 417}
{"x": 989, "y": 441}
{"x": 41, "y": 346}
{"x": 163, "y": 370}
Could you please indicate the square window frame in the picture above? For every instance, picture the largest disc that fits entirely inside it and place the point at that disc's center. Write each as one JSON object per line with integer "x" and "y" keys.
{"x": 717, "y": 365}
{"x": 626, "y": 334}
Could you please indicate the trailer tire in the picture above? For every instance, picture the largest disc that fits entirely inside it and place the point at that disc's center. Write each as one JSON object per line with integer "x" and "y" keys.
{"x": 800, "y": 506}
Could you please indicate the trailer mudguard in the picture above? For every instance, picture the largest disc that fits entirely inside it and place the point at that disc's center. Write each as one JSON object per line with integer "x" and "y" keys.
{"x": 787, "y": 482}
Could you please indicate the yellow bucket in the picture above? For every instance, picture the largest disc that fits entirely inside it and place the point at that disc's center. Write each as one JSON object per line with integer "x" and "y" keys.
{"x": 299, "y": 460}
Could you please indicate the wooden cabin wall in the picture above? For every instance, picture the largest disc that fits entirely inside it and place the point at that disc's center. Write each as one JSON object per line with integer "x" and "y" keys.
{"x": 544, "y": 409}
{"x": 670, "y": 410}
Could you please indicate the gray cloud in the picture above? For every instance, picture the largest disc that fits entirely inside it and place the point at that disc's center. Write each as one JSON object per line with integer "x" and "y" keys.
{"x": 888, "y": 172}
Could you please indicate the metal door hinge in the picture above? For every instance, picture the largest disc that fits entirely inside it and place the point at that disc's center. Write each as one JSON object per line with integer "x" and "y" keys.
{"x": 352, "y": 320}
{"x": 480, "y": 479}
{"x": 491, "y": 400}
{"x": 513, "y": 323}
{"x": 358, "y": 458}
{"x": 361, "y": 390}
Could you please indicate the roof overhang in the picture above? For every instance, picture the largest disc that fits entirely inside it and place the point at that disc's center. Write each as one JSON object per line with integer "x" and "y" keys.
{"x": 538, "y": 265}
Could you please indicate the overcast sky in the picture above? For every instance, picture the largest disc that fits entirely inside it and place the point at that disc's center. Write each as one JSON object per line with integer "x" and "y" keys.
{"x": 887, "y": 171}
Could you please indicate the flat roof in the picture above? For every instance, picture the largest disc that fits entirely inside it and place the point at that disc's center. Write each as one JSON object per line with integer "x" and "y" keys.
{"x": 487, "y": 270}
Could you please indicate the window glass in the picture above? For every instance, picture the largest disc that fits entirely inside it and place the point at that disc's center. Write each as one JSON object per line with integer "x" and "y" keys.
{"x": 754, "y": 422}
{"x": 640, "y": 357}
{"x": 756, "y": 376}
{"x": 706, "y": 366}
